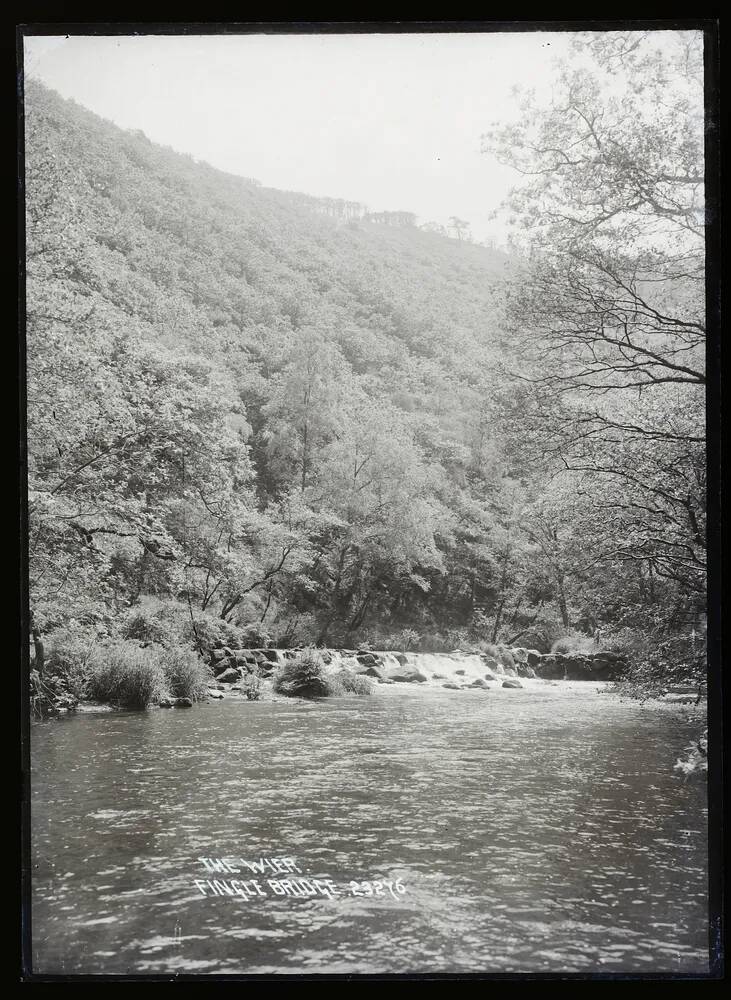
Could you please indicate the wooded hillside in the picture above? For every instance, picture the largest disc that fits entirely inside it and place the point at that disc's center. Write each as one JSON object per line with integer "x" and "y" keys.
{"x": 316, "y": 424}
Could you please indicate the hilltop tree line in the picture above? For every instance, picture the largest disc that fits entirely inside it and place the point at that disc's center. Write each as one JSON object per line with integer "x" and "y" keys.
{"x": 240, "y": 410}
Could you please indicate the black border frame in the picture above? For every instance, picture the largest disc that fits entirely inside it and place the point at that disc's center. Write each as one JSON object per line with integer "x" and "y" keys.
{"x": 716, "y": 408}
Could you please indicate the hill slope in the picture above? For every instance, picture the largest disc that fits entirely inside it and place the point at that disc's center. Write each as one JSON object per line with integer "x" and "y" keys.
{"x": 242, "y": 404}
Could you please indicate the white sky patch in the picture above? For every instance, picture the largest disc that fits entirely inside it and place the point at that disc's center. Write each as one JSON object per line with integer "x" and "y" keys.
{"x": 393, "y": 121}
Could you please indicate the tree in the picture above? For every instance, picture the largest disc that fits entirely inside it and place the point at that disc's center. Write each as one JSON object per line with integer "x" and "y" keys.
{"x": 460, "y": 227}
{"x": 607, "y": 306}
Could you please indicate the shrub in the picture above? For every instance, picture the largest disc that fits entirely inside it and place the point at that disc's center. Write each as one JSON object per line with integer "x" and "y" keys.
{"x": 254, "y": 637}
{"x": 186, "y": 675}
{"x": 490, "y": 649}
{"x": 126, "y": 675}
{"x": 499, "y": 653}
{"x": 575, "y": 642}
{"x": 347, "y": 682}
{"x": 163, "y": 622}
{"x": 69, "y": 652}
{"x": 302, "y": 677}
{"x": 251, "y": 687}
{"x": 432, "y": 642}
{"x": 297, "y": 630}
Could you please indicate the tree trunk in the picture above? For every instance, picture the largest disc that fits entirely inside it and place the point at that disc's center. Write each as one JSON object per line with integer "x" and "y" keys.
{"x": 39, "y": 651}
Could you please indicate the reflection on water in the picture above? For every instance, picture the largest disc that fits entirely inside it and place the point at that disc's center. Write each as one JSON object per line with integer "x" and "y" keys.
{"x": 533, "y": 832}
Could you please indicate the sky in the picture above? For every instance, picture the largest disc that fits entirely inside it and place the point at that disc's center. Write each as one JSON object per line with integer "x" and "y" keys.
{"x": 390, "y": 120}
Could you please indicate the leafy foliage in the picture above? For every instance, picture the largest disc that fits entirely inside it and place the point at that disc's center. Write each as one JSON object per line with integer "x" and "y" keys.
{"x": 126, "y": 675}
{"x": 256, "y": 417}
{"x": 302, "y": 677}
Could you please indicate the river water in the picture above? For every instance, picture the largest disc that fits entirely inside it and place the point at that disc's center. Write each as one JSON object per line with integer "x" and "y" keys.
{"x": 533, "y": 830}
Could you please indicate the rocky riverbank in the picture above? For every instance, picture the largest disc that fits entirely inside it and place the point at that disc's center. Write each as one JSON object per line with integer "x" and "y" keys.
{"x": 239, "y": 671}
{"x": 248, "y": 674}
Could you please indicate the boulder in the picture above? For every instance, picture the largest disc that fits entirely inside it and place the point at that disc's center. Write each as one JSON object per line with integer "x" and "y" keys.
{"x": 183, "y": 703}
{"x": 268, "y": 654}
{"x": 490, "y": 677}
{"x": 166, "y": 703}
{"x": 217, "y": 655}
{"x": 512, "y": 682}
{"x": 534, "y": 657}
{"x": 460, "y": 672}
{"x": 367, "y": 659}
{"x": 212, "y": 693}
{"x": 451, "y": 686}
{"x": 551, "y": 667}
{"x": 578, "y": 668}
{"x": 229, "y": 676}
{"x": 401, "y": 658}
{"x": 369, "y": 670}
{"x": 406, "y": 675}
{"x": 480, "y": 683}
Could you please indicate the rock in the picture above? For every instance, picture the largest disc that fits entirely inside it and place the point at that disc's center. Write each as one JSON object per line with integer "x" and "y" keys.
{"x": 217, "y": 655}
{"x": 512, "y": 682}
{"x": 326, "y": 657}
{"x": 406, "y": 675}
{"x": 268, "y": 654}
{"x": 490, "y": 677}
{"x": 166, "y": 703}
{"x": 451, "y": 686}
{"x": 212, "y": 693}
{"x": 227, "y": 652}
{"x": 460, "y": 672}
{"x": 533, "y": 657}
{"x": 367, "y": 659}
{"x": 519, "y": 654}
{"x": 401, "y": 658}
{"x": 490, "y": 662}
{"x": 550, "y": 667}
{"x": 437, "y": 677}
{"x": 229, "y": 676}
{"x": 183, "y": 703}
{"x": 479, "y": 683}
{"x": 374, "y": 671}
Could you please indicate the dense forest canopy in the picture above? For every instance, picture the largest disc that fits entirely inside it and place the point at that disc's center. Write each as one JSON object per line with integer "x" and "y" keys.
{"x": 329, "y": 425}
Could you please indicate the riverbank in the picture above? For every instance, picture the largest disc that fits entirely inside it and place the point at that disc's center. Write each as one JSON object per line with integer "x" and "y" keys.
{"x": 251, "y": 675}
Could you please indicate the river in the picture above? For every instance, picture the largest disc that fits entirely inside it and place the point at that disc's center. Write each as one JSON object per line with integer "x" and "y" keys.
{"x": 540, "y": 830}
